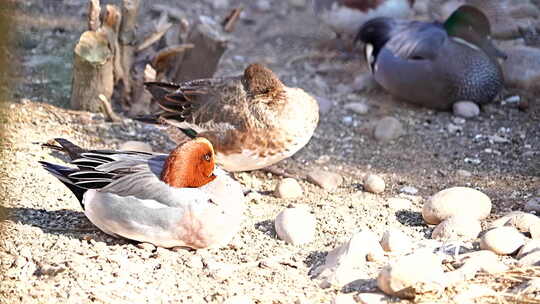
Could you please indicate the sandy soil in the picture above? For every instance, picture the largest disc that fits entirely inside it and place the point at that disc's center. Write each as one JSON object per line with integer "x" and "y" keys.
{"x": 50, "y": 253}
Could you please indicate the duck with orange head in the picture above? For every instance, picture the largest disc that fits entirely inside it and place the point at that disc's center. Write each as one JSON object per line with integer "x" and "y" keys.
{"x": 179, "y": 199}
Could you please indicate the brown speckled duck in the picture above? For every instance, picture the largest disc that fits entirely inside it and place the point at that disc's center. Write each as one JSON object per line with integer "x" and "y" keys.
{"x": 434, "y": 64}
{"x": 253, "y": 120}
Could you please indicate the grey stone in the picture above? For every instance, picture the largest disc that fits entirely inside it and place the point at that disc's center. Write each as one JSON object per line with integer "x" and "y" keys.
{"x": 522, "y": 68}
{"x": 388, "y": 128}
{"x": 409, "y": 190}
{"x": 374, "y": 183}
{"x": 295, "y": 225}
{"x": 502, "y": 240}
{"x": 288, "y": 188}
{"x": 357, "y": 107}
{"x": 533, "y": 205}
{"x": 327, "y": 180}
{"x": 466, "y": 109}
{"x": 453, "y": 201}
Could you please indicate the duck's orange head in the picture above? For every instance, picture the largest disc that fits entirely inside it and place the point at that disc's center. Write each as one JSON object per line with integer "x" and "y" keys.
{"x": 190, "y": 165}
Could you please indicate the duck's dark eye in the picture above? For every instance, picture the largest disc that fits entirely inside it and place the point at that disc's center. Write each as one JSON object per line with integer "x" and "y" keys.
{"x": 207, "y": 157}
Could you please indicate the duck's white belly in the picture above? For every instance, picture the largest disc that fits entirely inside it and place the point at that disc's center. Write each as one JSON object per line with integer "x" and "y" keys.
{"x": 252, "y": 160}
{"x": 196, "y": 225}
{"x": 100, "y": 212}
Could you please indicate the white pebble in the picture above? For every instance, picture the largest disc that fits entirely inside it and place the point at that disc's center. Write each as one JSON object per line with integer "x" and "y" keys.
{"x": 395, "y": 240}
{"x": 483, "y": 260}
{"x": 263, "y": 5}
{"x": 529, "y": 247}
{"x": 374, "y": 183}
{"x": 371, "y": 298}
{"x": 329, "y": 181}
{"x": 460, "y": 227}
{"x": 453, "y": 129}
{"x": 531, "y": 259}
{"x": 502, "y": 240}
{"x": 325, "y": 104}
{"x": 295, "y": 225}
{"x": 288, "y": 188}
{"x": 398, "y": 278}
{"x": 512, "y": 99}
{"x": 398, "y": 203}
{"x": 409, "y": 190}
{"x": 522, "y": 221}
{"x": 463, "y": 173}
{"x": 455, "y": 201}
{"x": 387, "y": 129}
{"x": 342, "y": 264}
{"x": 220, "y": 4}
{"x": 466, "y": 109}
{"x": 357, "y": 107}
{"x": 347, "y": 120}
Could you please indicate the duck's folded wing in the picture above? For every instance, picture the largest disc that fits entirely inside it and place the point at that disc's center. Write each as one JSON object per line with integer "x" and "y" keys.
{"x": 145, "y": 185}
{"x": 203, "y": 104}
{"x": 417, "y": 41}
{"x": 128, "y": 174}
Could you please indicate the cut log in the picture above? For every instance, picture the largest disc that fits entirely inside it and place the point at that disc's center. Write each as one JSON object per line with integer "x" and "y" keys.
{"x": 93, "y": 15}
{"x": 141, "y": 96}
{"x": 127, "y": 39}
{"x": 202, "y": 61}
{"x": 92, "y": 72}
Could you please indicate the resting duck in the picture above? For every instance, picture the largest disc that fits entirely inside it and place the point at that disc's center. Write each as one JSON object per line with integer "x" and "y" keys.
{"x": 434, "y": 64}
{"x": 346, "y": 16}
{"x": 175, "y": 200}
{"x": 252, "y": 120}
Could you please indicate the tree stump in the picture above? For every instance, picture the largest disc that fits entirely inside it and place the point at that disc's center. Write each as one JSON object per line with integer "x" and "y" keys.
{"x": 92, "y": 72}
{"x": 202, "y": 61}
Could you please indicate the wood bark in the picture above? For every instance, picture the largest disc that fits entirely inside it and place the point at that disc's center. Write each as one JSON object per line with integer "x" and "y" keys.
{"x": 127, "y": 39}
{"x": 93, "y": 15}
{"x": 111, "y": 27}
{"x": 202, "y": 61}
{"x": 92, "y": 72}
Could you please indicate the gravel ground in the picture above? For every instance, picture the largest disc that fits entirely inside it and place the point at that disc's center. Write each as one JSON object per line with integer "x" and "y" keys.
{"x": 50, "y": 253}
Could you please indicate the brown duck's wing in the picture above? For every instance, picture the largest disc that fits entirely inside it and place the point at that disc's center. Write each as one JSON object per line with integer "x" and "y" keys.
{"x": 204, "y": 104}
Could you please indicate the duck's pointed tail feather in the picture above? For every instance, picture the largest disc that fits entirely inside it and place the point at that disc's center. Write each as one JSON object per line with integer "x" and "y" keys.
{"x": 62, "y": 174}
{"x": 66, "y": 146}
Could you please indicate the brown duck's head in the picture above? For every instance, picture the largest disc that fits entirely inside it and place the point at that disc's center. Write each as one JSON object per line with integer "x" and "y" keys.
{"x": 260, "y": 80}
{"x": 190, "y": 165}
